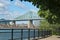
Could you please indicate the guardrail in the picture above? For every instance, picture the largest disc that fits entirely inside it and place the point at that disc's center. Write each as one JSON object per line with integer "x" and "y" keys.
{"x": 22, "y": 34}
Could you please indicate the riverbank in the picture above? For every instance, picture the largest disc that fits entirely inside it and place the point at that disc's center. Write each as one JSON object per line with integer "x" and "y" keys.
{"x": 54, "y": 37}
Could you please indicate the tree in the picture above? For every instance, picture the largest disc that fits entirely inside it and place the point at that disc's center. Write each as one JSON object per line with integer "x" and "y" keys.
{"x": 53, "y": 6}
{"x": 44, "y": 25}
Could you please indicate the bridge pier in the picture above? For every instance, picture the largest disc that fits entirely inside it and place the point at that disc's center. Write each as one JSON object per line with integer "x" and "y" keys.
{"x": 14, "y": 23}
{"x": 30, "y": 24}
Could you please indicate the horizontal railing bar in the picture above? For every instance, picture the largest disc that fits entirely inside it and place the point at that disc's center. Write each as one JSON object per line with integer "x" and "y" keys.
{"x": 18, "y": 29}
{"x": 10, "y": 32}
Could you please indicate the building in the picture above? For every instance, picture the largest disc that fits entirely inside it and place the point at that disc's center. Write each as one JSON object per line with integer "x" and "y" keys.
{"x": 2, "y": 21}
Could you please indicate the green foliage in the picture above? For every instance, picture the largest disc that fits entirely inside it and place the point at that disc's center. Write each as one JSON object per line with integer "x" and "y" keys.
{"x": 55, "y": 29}
{"x": 44, "y": 5}
{"x": 52, "y": 19}
{"x": 44, "y": 25}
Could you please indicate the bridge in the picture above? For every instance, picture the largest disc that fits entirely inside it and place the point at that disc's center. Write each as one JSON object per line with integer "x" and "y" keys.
{"x": 29, "y": 16}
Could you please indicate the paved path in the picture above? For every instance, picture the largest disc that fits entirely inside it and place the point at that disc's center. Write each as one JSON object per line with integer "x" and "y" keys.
{"x": 51, "y": 38}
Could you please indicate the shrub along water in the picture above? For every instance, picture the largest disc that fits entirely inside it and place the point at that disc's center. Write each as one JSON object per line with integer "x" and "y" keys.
{"x": 44, "y": 25}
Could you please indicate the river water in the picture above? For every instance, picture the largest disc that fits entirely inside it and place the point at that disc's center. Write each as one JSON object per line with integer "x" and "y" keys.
{"x": 6, "y": 34}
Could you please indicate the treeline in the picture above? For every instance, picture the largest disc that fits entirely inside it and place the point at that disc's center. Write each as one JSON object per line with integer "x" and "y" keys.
{"x": 55, "y": 28}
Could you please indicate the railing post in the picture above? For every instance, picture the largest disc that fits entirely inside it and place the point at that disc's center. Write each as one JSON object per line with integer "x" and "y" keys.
{"x": 34, "y": 33}
{"x": 28, "y": 34}
{"x": 21, "y": 34}
{"x": 11, "y": 34}
{"x": 38, "y": 33}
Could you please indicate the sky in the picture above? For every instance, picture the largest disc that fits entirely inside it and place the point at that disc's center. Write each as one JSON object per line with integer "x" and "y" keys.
{"x": 12, "y": 9}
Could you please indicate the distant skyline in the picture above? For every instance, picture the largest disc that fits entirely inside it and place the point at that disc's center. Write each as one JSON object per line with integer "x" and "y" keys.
{"x": 10, "y": 10}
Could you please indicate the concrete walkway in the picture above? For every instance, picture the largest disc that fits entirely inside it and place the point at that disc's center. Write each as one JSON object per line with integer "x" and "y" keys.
{"x": 54, "y": 37}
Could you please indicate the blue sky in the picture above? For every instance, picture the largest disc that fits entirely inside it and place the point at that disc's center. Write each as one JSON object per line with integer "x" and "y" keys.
{"x": 10, "y": 10}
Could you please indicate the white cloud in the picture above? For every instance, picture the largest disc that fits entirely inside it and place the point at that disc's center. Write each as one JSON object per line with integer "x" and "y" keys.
{"x": 1, "y": 5}
{"x": 34, "y": 10}
{"x": 20, "y": 4}
{"x": 5, "y": 15}
{"x": 12, "y": 15}
{"x": 16, "y": 13}
{"x": 5, "y": 12}
{"x": 5, "y": 2}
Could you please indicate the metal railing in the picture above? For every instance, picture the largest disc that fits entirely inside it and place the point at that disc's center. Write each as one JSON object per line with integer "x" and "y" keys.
{"x": 22, "y": 34}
